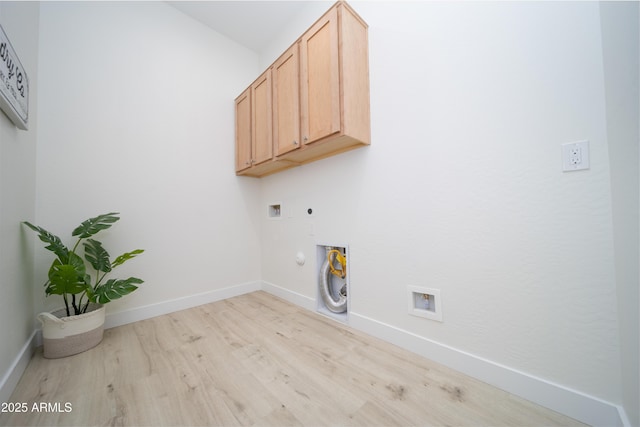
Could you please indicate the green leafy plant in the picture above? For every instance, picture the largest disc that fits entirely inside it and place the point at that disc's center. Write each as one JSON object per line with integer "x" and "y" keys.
{"x": 70, "y": 277}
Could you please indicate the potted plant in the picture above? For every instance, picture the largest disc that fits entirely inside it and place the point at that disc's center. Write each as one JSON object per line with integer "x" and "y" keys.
{"x": 79, "y": 325}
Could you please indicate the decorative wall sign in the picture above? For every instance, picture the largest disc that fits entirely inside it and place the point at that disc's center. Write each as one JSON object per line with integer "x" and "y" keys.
{"x": 14, "y": 84}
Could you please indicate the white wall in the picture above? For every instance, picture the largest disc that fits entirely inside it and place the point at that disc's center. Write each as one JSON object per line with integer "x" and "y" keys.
{"x": 137, "y": 117}
{"x": 17, "y": 199}
{"x": 462, "y": 189}
{"x": 297, "y": 25}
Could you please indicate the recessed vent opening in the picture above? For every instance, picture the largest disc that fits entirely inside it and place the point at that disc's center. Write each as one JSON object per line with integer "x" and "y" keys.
{"x": 333, "y": 281}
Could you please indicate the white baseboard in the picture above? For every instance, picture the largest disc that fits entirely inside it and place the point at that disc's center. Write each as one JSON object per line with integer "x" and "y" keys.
{"x": 572, "y": 403}
{"x": 12, "y": 376}
{"x": 148, "y": 311}
{"x": 287, "y": 295}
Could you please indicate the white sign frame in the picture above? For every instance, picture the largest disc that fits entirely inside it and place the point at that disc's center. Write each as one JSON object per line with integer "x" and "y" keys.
{"x": 14, "y": 84}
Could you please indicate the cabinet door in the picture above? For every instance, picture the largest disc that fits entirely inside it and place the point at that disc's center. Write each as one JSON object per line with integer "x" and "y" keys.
{"x": 286, "y": 101}
{"x": 261, "y": 129}
{"x": 320, "y": 79}
{"x": 243, "y": 130}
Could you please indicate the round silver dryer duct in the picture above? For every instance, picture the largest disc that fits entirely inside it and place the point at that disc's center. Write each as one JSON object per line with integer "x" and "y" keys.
{"x": 334, "y": 303}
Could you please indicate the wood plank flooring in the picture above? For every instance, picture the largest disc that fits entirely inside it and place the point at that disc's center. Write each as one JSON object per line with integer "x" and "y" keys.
{"x": 257, "y": 360}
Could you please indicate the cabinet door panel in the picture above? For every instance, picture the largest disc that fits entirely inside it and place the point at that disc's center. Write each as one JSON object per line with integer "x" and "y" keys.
{"x": 262, "y": 138}
{"x": 243, "y": 130}
{"x": 286, "y": 101}
{"x": 320, "y": 79}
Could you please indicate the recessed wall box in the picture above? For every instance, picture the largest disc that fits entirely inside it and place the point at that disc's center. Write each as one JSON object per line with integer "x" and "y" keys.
{"x": 333, "y": 286}
{"x": 425, "y": 302}
{"x": 275, "y": 210}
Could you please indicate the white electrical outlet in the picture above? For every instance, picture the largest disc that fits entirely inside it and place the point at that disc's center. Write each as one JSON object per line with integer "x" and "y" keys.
{"x": 575, "y": 156}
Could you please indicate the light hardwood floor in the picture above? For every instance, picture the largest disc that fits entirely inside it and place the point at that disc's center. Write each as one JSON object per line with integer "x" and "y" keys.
{"x": 258, "y": 360}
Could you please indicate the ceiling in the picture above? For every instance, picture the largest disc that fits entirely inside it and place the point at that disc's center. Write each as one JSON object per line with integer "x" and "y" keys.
{"x": 253, "y": 24}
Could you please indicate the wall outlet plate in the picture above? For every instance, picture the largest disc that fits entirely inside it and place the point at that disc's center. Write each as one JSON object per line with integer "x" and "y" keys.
{"x": 575, "y": 156}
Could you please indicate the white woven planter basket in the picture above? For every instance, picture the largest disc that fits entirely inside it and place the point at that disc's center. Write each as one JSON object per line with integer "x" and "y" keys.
{"x": 68, "y": 335}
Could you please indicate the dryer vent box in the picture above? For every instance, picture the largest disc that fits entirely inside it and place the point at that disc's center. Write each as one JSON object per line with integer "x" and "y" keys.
{"x": 335, "y": 283}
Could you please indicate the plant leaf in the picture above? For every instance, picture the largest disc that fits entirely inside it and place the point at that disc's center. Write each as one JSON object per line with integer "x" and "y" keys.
{"x": 65, "y": 279}
{"x": 114, "y": 289}
{"x": 55, "y": 245}
{"x": 126, "y": 257}
{"x": 97, "y": 256}
{"x": 93, "y": 225}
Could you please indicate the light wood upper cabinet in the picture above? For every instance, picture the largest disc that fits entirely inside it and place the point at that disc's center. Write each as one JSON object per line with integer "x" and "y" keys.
{"x": 262, "y": 119}
{"x": 243, "y": 130}
{"x": 320, "y": 76}
{"x": 319, "y": 99}
{"x": 254, "y": 129}
{"x": 286, "y": 101}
